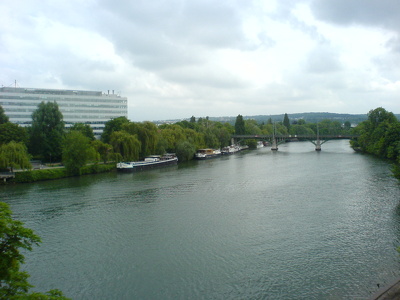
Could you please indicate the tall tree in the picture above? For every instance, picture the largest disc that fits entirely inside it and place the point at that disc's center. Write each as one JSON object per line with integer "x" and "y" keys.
{"x": 239, "y": 125}
{"x": 185, "y": 151}
{"x": 127, "y": 145}
{"x": 47, "y": 131}
{"x": 111, "y": 126}
{"x": 105, "y": 150}
{"x": 147, "y": 133}
{"x": 77, "y": 152}
{"x": 3, "y": 116}
{"x": 286, "y": 121}
{"x": 14, "y": 155}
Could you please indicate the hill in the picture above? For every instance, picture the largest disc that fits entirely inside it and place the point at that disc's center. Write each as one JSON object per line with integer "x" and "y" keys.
{"x": 309, "y": 117}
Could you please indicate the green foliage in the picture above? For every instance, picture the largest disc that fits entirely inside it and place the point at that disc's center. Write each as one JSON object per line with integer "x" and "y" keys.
{"x": 85, "y": 129}
{"x": 13, "y": 237}
{"x": 47, "y": 131}
{"x": 251, "y": 143}
{"x": 127, "y": 145}
{"x": 185, "y": 151}
{"x": 105, "y": 150}
{"x": 147, "y": 134}
{"x": 3, "y": 117}
{"x": 301, "y": 122}
{"x": 239, "y": 125}
{"x": 14, "y": 155}
{"x": 111, "y": 126}
{"x": 40, "y": 175}
{"x": 77, "y": 152}
{"x": 97, "y": 168}
{"x": 57, "y": 173}
{"x": 380, "y": 136}
{"x": 13, "y": 132}
{"x": 170, "y": 136}
{"x": 251, "y": 127}
{"x": 286, "y": 122}
{"x": 301, "y": 130}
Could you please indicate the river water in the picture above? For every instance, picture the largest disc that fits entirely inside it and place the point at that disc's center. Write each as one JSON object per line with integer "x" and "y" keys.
{"x": 292, "y": 224}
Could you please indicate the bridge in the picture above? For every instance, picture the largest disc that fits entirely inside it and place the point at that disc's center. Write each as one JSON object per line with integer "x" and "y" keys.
{"x": 275, "y": 140}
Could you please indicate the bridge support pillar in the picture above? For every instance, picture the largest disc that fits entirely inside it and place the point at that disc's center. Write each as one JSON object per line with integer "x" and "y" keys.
{"x": 318, "y": 145}
{"x": 274, "y": 145}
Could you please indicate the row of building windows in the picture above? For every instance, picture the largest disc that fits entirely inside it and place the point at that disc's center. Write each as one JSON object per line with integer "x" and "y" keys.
{"x": 57, "y": 99}
{"x": 70, "y": 111}
{"x": 70, "y": 116}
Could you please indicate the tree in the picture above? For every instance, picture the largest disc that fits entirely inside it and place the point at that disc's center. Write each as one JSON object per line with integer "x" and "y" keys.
{"x": 105, "y": 150}
{"x": 111, "y": 126}
{"x": 239, "y": 125}
{"x": 347, "y": 125}
{"x": 85, "y": 129}
{"x": 125, "y": 144}
{"x": 147, "y": 133}
{"x": 47, "y": 131}
{"x": 251, "y": 127}
{"x": 185, "y": 151}
{"x": 192, "y": 119}
{"x": 14, "y": 155}
{"x": 380, "y": 115}
{"x": 13, "y": 237}
{"x": 286, "y": 121}
{"x": 13, "y": 132}
{"x": 301, "y": 122}
{"x": 3, "y": 116}
{"x": 77, "y": 152}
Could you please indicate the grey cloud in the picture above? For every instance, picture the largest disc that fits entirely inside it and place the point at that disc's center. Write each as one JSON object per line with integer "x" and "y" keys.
{"x": 284, "y": 13}
{"x": 205, "y": 23}
{"x": 201, "y": 76}
{"x": 168, "y": 37}
{"x": 384, "y": 13}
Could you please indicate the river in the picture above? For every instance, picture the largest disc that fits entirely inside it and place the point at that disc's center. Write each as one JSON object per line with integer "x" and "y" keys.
{"x": 292, "y": 224}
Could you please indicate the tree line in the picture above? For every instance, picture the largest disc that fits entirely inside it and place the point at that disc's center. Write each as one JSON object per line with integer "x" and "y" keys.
{"x": 380, "y": 135}
{"x": 48, "y": 140}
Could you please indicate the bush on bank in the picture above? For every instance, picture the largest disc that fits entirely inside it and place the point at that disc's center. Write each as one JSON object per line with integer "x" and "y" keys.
{"x": 57, "y": 173}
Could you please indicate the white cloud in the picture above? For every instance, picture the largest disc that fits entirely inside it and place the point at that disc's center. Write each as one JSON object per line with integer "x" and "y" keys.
{"x": 178, "y": 58}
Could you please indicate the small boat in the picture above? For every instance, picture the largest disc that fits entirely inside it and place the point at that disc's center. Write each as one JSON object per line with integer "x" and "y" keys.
{"x": 230, "y": 150}
{"x": 150, "y": 162}
{"x": 207, "y": 153}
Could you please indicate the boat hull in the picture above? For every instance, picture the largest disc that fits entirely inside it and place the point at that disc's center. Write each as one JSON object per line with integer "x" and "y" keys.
{"x": 141, "y": 166}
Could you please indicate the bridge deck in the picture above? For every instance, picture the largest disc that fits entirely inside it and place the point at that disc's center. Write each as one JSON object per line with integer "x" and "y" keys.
{"x": 295, "y": 137}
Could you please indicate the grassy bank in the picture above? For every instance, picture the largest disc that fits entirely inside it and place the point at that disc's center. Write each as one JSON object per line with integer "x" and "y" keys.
{"x": 57, "y": 173}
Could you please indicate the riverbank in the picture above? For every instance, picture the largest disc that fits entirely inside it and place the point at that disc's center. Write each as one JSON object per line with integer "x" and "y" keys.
{"x": 52, "y": 173}
{"x": 391, "y": 292}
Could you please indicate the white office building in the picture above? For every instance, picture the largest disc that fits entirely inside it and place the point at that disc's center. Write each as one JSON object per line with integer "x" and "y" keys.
{"x": 88, "y": 107}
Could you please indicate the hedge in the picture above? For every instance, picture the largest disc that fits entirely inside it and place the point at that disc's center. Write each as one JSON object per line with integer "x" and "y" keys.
{"x": 57, "y": 173}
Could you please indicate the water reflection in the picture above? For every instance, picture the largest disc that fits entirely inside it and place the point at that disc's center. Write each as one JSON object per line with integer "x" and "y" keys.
{"x": 296, "y": 224}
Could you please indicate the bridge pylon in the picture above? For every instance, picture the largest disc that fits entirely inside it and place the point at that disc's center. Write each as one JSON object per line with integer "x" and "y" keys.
{"x": 274, "y": 146}
{"x": 274, "y": 142}
{"x": 318, "y": 142}
{"x": 318, "y": 145}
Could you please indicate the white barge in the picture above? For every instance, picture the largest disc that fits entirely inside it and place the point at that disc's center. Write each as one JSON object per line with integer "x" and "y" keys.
{"x": 150, "y": 162}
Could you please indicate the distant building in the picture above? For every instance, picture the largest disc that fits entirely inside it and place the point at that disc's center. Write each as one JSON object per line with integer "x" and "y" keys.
{"x": 88, "y": 107}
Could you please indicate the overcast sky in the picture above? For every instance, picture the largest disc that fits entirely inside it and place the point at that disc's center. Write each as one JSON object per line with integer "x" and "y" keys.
{"x": 178, "y": 58}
